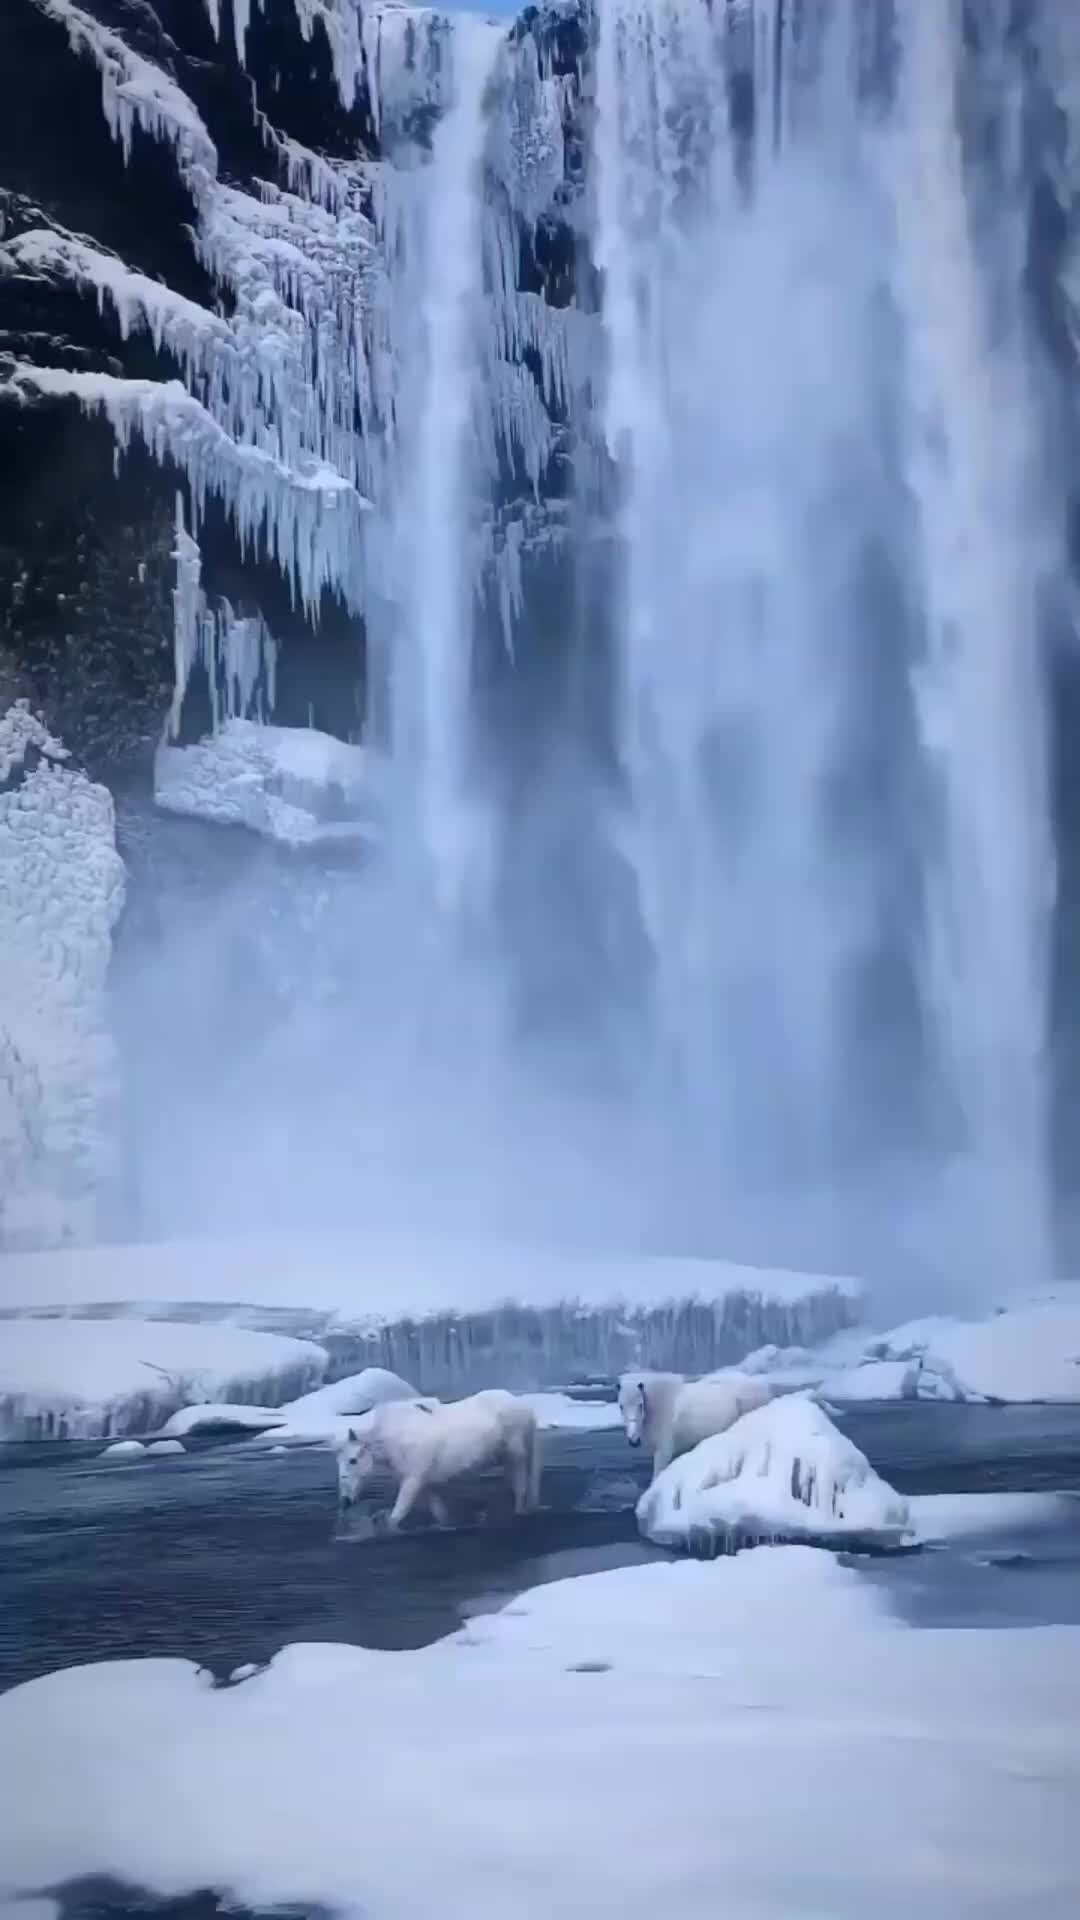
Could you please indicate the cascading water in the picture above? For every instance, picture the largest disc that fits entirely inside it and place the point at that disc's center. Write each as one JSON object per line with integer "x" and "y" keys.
{"x": 430, "y": 229}
{"x": 799, "y": 357}
{"x": 981, "y": 565}
{"x": 708, "y": 320}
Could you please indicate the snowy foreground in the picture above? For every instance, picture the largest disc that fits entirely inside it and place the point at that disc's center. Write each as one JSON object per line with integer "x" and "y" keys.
{"x": 84, "y": 1379}
{"x": 751, "y": 1736}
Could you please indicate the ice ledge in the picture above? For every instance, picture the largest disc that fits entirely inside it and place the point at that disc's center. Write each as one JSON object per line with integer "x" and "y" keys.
{"x": 452, "y": 1315}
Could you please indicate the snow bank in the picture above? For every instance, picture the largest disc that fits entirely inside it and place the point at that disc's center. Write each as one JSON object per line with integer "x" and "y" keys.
{"x": 291, "y": 784}
{"x": 872, "y": 1380}
{"x": 751, "y": 1732}
{"x": 783, "y": 1472}
{"x": 957, "y": 1516}
{"x": 323, "y": 1414}
{"x": 78, "y": 1379}
{"x": 61, "y": 891}
{"x": 456, "y": 1315}
{"x": 1030, "y": 1352}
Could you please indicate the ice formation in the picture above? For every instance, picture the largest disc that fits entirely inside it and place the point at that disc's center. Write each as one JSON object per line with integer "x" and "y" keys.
{"x": 587, "y": 1711}
{"x": 782, "y": 1472}
{"x": 295, "y": 785}
{"x": 454, "y": 1315}
{"x": 61, "y": 891}
{"x": 81, "y": 1379}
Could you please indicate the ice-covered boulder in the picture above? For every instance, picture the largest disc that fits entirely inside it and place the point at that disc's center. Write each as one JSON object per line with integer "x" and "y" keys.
{"x": 123, "y": 1450}
{"x": 61, "y": 890}
{"x": 783, "y": 1472}
{"x": 89, "y": 1379}
{"x": 292, "y": 784}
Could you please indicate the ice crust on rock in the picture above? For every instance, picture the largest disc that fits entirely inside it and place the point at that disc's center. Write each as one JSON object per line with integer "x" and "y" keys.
{"x": 85, "y": 1379}
{"x": 61, "y": 892}
{"x": 1026, "y": 1352}
{"x": 322, "y": 1414}
{"x": 782, "y": 1472}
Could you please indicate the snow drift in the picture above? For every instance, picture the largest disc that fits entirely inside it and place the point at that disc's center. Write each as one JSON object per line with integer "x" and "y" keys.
{"x": 783, "y": 1472}
{"x": 89, "y": 1379}
{"x": 752, "y": 1736}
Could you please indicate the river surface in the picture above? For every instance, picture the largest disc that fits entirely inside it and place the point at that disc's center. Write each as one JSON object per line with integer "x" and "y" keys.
{"x": 225, "y": 1555}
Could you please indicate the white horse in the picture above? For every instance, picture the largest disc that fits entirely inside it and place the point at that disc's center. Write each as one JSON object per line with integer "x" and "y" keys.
{"x": 671, "y": 1414}
{"x": 425, "y": 1444}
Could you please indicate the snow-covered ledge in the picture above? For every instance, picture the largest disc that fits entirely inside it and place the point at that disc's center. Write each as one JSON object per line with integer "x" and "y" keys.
{"x": 61, "y": 891}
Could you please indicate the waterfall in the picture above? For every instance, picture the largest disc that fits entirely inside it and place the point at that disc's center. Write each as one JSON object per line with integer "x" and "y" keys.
{"x": 977, "y": 484}
{"x": 431, "y": 234}
{"x": 807, "y": 344}
{"x": 661, "y": 396}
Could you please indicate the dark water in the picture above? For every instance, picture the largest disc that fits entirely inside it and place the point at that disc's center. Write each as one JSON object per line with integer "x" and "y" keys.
{"x": 225, "y": 1556}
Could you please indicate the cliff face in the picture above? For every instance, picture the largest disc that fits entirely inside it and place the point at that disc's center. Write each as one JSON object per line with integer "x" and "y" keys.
{"x": 154, "y": 146}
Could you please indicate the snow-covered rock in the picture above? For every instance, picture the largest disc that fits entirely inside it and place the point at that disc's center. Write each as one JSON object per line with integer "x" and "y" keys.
{"x": 323, "y": 1414}
{"x": 872, "y": 1380}
{"x": 159, "y": 1448}
{"x": 457, "y": 1314}
{"x": 1030, "y": 1352}
{"x": 292, "y": 784}
{"x": 752, "y": 1736}
{"x": 782, "y": 1472}
{"x": 61, "y": 891}
{"x": 123, "y": 1450}
{"x": 81, "y": 1379}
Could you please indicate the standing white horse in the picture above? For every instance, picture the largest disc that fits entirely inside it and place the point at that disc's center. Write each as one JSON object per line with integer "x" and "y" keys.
{"x": 671, "y": 1414}
{"x": 425, "y": 1444}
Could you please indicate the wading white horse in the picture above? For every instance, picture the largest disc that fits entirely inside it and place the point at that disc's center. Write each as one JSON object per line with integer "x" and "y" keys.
{"x": 670, "y": 1414}
{"x": 425, "y": 1444}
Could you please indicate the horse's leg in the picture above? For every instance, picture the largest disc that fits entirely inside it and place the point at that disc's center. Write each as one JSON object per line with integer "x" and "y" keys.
{"x": 663, "y": 1457}
{"x": 440, "y": 1512}
{"x": 407, "y": 1495}
{"x": 518, "y": 1468}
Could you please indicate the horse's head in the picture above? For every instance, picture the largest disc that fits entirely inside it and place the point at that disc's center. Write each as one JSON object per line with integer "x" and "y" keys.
{"x": 634, "y": 1407}
{"x": 355, "y": 1465}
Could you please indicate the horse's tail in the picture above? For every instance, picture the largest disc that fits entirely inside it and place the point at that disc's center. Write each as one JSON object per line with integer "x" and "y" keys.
{"x": 536, "y": 1462}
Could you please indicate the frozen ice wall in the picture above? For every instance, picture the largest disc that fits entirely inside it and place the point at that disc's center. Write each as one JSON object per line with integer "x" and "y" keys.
{"x": 61, "y": 891}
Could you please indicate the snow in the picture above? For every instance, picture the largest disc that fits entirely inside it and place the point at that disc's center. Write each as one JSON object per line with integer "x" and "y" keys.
{"x": 560, "y": 1412}
{"x": 456, "y": 1313}
{"x": 781, "y": 1472}
{"x": 1029, "y": 1352}
{"x": 753, "y": 1731}
{"x": 872, "y": 1380}
{"x": 123, "y": 1450}
{"x": 956, "y": 1516}
{"x": 161, "y": 1447}
{"x": 215, "y": 1416}
{"x": 78, "y": 1379}
{"x": 61, "y": 891}
{"x": 292, "y": 784}
{"x": 322, "y": 1414}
